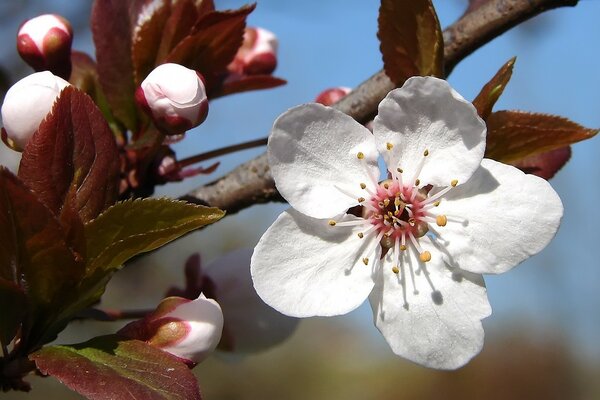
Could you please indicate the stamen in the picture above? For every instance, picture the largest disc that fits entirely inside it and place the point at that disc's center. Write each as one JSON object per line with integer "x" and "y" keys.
{"x": 454, "y": 183}
{"x": 417, "y": 182}
{"x": 365, "y": 260}
{"x": 389, "y": 146}
{"x": 349, "y": 223}
{"x": 441, "y": 220}
{"x": 331, "y": 222}
{"x": 361, "y": 199}
{"x": 425, "y": 153}
{"x": 395, "y": 270}
{"x": 363, "y": 185}
{"x": 420, "y": 166}
{"x": 425, "y": 256}
{"x": 360, "y": 155}
{"x": 361, "y": 235}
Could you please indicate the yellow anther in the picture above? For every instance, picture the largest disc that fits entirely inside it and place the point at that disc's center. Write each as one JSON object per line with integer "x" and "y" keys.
{"x": 436, "y": 203}
{"x": 386, "y": 202}
{"x": 380, "y": 204}
{"x": 397, "y": 202}
{"x": 425, "y": 256}
{"x": 361, "y": 235}
{"x": 390, "y": 214}
{"x": 425, "y": 153}
{"x": 361, "y": 199}
{"x": 365, "y": 261}
{"x": 417, "y": 182}
{"x": 400, "y": 170}
{"x": 402, "y": 247}
{"x": 331, "y": 222}
{"x": 360, "y": 155}
{"x": 454, "y": 182}
{"x": 363, "y": 186}
{"x": 412, "y": 222}
{"x": 395, "y": 269}
{"x": 441, "y": 220}
{"x": 386, "y": 185}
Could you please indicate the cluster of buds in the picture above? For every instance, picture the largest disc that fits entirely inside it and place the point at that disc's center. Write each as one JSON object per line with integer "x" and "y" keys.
{"x": 26, "y": 104}
{"x": 331, "y": 96}
{"x": 257, "y": 55}
{"x": 174, "y": 97}
{"x": 188, "y": 329}
{"x": 44, "y": 42}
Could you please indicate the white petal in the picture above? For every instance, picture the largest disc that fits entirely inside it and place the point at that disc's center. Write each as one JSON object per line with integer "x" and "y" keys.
{"x": 438, "y": 327}
{"x": 313, "y": 157}
{"x": 303, "y": 267}
{"x": 503, "y": 217}
{"x": 250, "y": 325}
{"x": 427, "y": 114}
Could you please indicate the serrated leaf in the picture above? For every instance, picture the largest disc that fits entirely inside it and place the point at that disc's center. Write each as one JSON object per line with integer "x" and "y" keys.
{"x": 133, "y": 227}
{"x": 34, "y": 252}
{"x": 545, "y": 165}
{"x": 73, "y": 146}
{"x": 110, "y": 367}
{"x": 411, "y": 41}
{"x": 491, "y": 92}
{"x": 218, "y": 36}
{"x": 13, "y": 304}
{"x": 515, "y": 135}
{"x": 182, "y": 19}
{"x": 112, "y": 30}
{"x": 247, "y": 83}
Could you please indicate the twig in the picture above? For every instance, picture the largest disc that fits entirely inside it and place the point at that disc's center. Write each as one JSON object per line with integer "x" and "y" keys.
{"x": 221, "y": 152}
{"x": 251, "y": 182}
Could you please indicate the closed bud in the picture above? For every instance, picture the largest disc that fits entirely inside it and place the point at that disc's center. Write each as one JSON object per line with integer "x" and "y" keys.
{"x": 188, "y": 329}
{"x": 175, "y": 98}
{"x": 258, "y": 53}
{"x": 44, "y": 42}
{"x": 331, "y": 96}
{"x": 27, "y": 103}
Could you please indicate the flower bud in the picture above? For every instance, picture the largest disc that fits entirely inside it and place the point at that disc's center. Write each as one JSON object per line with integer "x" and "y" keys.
{"x": 175, "y": 97}
{"x": 188, "y": 329}
{"x": 27, "y": 103}
{"x": 258, "y": 53}
{"x": 44, "y": 43}
{"x": 332, "y": 95}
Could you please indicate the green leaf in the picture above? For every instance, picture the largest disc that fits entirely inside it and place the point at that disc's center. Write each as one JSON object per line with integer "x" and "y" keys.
{"x": 111, "y": 367}
{"x": 516, "y": 135}
{"x": 545, "y": 165}
{"x": 13, "y": 304}
{"x": 491, "y": 92}
{"x": 137, "y": 226}
{"x": 34, "y": 254}
{"x": 73, "y": 146}
{"x": 411, "y": 41}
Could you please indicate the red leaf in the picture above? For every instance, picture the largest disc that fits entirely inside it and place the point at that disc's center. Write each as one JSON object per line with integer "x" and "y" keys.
{"x": 184, "y": 16}
{"x": 73, "y": 146}
{"x": 516, "y": 135}
{"x": 112, "y": 22}
{"x": 110, "y": 367}
{"x": 545, "y": 165}
{"x": 411, "y": 41}
{"x": 13, "y": 304}
{"x": 491, "y": 92}
{"x": 247, "y": 83}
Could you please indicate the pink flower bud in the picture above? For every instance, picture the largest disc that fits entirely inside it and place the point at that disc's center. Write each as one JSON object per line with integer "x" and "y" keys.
{"x": 44, "y": 42}
{"x": 332, "y": 95}
{"x": 188, "y": 329}
{"x": 26, "y": 104}
{"x": 175, "y": 97}
{"x": 258, "y": 54}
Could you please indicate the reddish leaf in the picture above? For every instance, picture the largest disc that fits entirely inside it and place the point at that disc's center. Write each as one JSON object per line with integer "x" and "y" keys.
{"x": 147, "y": 40}
{"x": 218, "y": 36}
{"x": 184, "y": 16}
{"x": 515, "y": 135}
{"x": 110, "y": 367}
{"x": 112, "y": 32}
{"x": 204, "y": 7}
{"x": 37, "y": 257}
{"x": 73, "y": 146}
{"x": 491, "y": 92}
{"x": 247, "y": 83}
{"x": 545, "y": 165}
{"x": 13, "y": 304}
{"x": 411, "y": 41}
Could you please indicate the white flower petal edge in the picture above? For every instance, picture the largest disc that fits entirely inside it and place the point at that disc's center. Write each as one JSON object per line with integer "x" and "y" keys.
{"x": 302, "y": 267}
{"x": 501, "y": 217}
{"x": 426, "y": 114}
{"x": 317, "y": 156}
{"x": 433, "y": 317}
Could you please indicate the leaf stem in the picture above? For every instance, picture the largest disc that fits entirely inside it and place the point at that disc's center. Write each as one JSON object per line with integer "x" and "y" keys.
{"x": 221, "y": 152}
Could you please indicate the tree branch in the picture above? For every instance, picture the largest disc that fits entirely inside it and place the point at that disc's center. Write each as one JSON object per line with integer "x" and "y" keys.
{"x": 252, "y": 183}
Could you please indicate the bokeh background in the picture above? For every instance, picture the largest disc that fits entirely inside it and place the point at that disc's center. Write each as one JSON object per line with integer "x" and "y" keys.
{"x": 542, "y": 341}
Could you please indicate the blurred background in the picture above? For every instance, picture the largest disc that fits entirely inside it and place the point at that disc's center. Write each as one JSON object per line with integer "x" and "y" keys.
{"x": 542, "y": 340}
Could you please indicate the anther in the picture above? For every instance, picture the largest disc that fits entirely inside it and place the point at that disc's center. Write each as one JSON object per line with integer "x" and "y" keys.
{"x": 365, "y": 260}
{"x": 380, "y": 204}
{"x": 331, "y": 222}
{"x": 412, "y": 221}
{"x": 425, "y": 256}
{"x": 386, "y": 185}
{"x": 360, "y": 235}
{"x": 400, "y": 170}
{"x": 437, "y": 203}
{"x": 395, "y": 269}
{"x": 363, "y": 186}
{"x": 397, "y": 202}
{"x": 386, "y": 202}
{"x": 402, "y": 247}
{"x": 454, "y": 182}
{"x": 360, "y": 155}
{"x": 441, "y": 220}
{"x": 417, "y": 182}
{"x": 425, "y": 153}
{"x": 389, "y": 146}
{"x": 361, "y": 199}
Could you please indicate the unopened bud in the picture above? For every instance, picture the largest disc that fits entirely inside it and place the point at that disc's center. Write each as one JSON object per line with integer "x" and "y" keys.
{"x": 44, "y": 43}
{"x": 27, "y": 103}
{"x": 332, "y": 95}
{"x": 188, "y": 329}
{"x": 175, "y": 97}
{"x": 258, "y": 53}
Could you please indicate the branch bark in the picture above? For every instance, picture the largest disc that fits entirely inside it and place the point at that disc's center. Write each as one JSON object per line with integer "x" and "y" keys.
{"x": 252, "y": 183}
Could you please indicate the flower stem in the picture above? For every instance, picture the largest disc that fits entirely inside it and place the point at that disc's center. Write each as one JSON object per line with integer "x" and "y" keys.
{"x": 221, "y": 152}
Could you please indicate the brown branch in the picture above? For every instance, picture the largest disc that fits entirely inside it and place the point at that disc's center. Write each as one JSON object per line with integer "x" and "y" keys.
{"x": 251, "y": 182}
